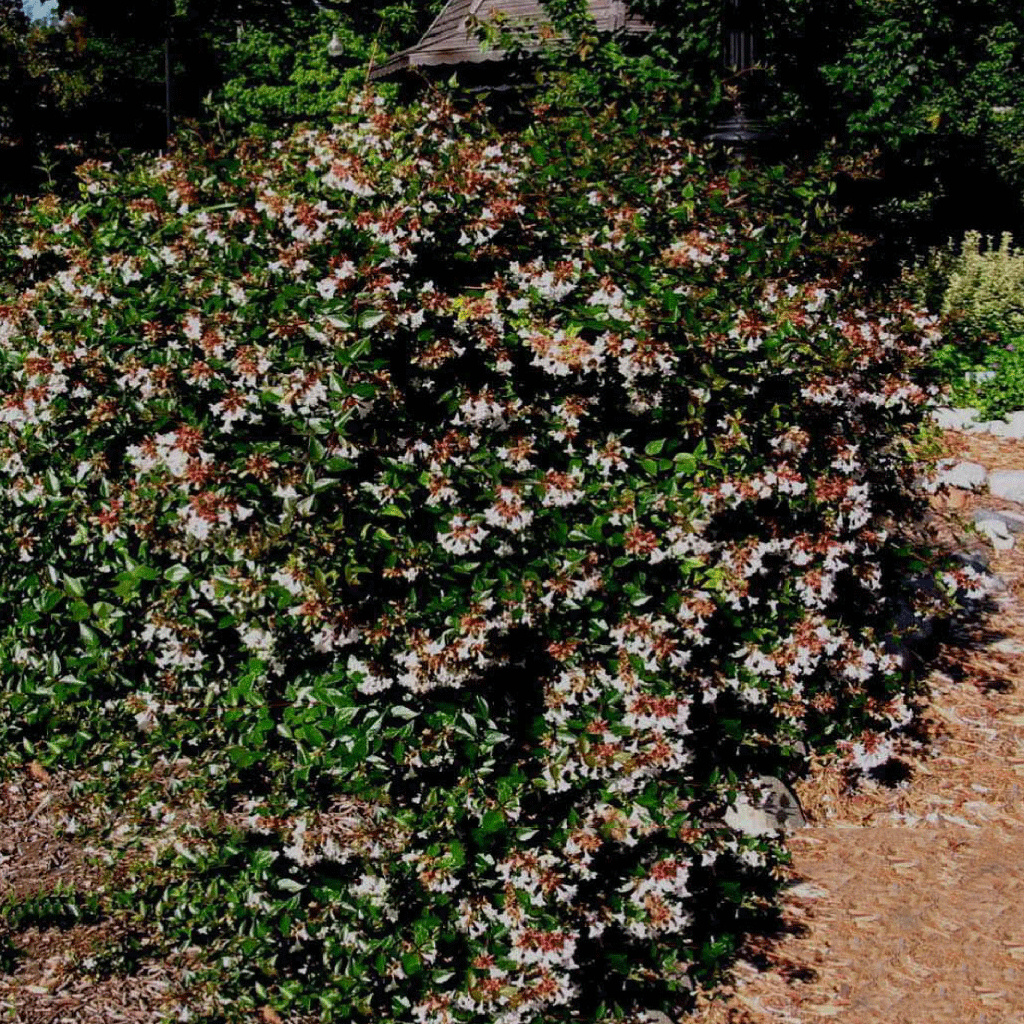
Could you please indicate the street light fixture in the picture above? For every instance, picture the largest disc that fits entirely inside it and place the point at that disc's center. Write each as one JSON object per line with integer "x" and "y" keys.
{"x": 168, "y": 77}
{"x": 743, "y": 46}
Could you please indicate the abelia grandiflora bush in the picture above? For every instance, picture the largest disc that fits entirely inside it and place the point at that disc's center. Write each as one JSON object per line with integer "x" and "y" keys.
{"x": 475, "y": 513}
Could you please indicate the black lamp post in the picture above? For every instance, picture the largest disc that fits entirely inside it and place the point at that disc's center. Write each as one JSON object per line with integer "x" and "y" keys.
{"x": 168, "y": 69}
{"x": 169, "y": 122}
{"x": 743, "y": 48}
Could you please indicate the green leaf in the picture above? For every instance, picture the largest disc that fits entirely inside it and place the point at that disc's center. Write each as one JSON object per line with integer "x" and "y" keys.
{"x": 492, "y": 821}
{"x": 242, "y": 757}
{"x": 686, "y": 464}
{"x": 370, "y": 319}
{"x": 127, "y": 588}
{"x": 80, "y": 611}
{"x": 28, "y": 617}
{"x": 655, "y": 447}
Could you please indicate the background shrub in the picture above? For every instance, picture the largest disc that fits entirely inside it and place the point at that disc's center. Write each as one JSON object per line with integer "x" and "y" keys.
{"x": 985, "y": 287}
{"x": 426, "y": 533}
{"x": 978, "y": 287}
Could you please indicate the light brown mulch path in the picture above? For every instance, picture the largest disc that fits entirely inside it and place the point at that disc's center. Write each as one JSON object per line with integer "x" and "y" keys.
{"x": 906, "y": 904}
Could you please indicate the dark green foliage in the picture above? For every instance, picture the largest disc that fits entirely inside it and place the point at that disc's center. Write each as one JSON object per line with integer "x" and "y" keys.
{"x": 17, "y": 134}
{"x": 930, "y": 90}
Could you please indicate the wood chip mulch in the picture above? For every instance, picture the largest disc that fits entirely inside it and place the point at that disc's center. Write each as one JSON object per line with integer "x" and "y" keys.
{"x": 52, "y": 979}
{"x": 905, "y": 902}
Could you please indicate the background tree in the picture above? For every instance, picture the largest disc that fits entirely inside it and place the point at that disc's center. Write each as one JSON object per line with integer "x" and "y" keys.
{"x": 933, "y": 88}
{"x": 278, "y": 72}
{"x": 18, "y": 143}
{"x": 917, "y": 97}
{"x": 90, "y": 82}
{"x": 253, "y": 65}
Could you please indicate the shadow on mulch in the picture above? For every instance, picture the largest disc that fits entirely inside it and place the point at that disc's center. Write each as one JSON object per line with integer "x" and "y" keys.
{"x": 958, "y": 647}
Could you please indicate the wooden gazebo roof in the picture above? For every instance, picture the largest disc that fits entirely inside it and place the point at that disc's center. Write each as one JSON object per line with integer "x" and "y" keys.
{"x": 449, "y": 41}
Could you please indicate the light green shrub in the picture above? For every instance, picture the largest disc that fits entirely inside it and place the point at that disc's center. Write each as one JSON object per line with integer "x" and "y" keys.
{"x": 980, "y": 292}
{"x": 923, "y": 281}
{"x": 985, "y": 291}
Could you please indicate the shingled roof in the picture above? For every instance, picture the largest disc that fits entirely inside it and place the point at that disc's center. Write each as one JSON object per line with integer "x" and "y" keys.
{"x": 449, "y": 41}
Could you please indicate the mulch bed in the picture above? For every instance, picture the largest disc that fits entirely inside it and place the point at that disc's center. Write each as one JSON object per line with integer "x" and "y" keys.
{"x": 904, "y": 906}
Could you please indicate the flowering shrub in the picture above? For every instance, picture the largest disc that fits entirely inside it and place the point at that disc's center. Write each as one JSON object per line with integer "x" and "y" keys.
{"x": 468, "y": 517}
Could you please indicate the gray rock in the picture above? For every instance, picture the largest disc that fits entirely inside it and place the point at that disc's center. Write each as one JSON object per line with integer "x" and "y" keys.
{"x": 911, "y": 625}
{"x": 954, "y": 419}
{"x": 807, "y": 890}
{"x": 1007, "y": 483}
{"x": 774, "y": 806}
{"x": 997, "y": 532}
{"x": 997, "y": 585}
{"x": 970, "y": 476}
{"x": 975, "y": 558}
{"x": 923, "y": 583}
{"x": 900, "y": 652}
{"x": 1013, "y": 427}
{"x": 1007, "y": 647}
{"x": 911, "y": 629}
{"x": 979, "y": 376}
{"x": 1014, "y": 521}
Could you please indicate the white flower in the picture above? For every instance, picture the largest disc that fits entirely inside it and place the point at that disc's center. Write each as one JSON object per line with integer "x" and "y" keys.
{"x": 463, "y": 537}
{"x": 284, "y": 578}
{"x": 508, "y": 512}
{"x": 193, "y": 328}
{"x": 145, "y": 721}
{"x": 327, "y": 287}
